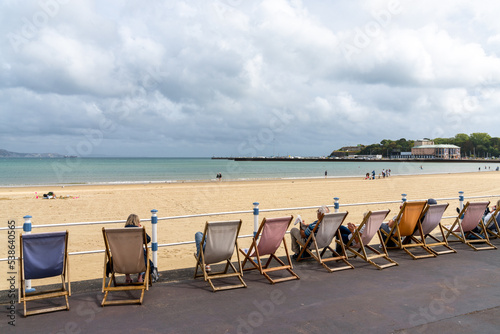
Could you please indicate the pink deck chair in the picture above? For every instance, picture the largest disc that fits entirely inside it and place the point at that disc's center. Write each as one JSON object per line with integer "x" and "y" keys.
{"x": 359, "y": 245}
{"x": 321, "y": 238}
{"x": 432, "y": 220}
{"x": 462, "y": 229}
{"x": 269, "y": 237}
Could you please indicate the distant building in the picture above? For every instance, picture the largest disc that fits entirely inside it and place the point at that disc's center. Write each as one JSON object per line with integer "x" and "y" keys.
{"x": 425, "y": 148}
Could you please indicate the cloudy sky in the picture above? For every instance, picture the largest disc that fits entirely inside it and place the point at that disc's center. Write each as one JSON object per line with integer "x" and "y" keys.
{"x": 241, "y": 77}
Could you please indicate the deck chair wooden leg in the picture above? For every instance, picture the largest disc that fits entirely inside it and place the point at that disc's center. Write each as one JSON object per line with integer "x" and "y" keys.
{"x": 283, "y": 266}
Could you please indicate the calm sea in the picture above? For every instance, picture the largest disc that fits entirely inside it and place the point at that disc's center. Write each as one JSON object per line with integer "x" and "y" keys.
{"x": 29, "y": 171}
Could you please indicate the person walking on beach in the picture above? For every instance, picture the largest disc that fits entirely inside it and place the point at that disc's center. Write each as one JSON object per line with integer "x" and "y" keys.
{"x": 373, "y": 174}
{"x": 326, "y": 173}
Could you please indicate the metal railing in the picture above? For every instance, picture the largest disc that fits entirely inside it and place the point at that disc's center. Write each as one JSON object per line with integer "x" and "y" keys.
{"x": 28, "y": 226}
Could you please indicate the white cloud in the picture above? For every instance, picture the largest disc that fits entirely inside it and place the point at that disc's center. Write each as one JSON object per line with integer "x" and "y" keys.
{"x": 200, "y": 78}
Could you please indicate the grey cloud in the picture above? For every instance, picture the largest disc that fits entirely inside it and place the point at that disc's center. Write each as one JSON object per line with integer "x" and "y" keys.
{"x": 202, "y": 78}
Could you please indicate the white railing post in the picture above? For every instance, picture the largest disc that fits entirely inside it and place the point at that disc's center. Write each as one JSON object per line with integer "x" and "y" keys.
{"x": 27, "y": 230}
{"x": 255, "y": 218}
{"x": 461, "y": 200}
{"x": 336, "y": 205}
{"x": 154, "y": 238}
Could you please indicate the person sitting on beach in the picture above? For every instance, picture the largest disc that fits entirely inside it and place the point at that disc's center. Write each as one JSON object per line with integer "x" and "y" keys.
{"x": 134, "y": 221}
{"x": 49, "y": 195}
{"x": 387, "y": 227}
{"x": 305, "y": 231}
{"x": 487, "y": 217}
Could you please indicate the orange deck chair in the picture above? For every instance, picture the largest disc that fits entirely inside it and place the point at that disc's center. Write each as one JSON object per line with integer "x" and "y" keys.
{"x": 408, "y": 219}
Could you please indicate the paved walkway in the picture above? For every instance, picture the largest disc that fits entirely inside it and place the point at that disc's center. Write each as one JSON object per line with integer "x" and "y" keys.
{"x": 454, "y": 293}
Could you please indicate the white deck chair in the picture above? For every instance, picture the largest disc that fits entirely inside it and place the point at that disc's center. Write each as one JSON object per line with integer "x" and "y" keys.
{"x": 221, "y": 241}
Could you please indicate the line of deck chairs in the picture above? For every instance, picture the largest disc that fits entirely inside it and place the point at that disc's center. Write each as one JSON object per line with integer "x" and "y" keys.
{"x": 45, "y": 255}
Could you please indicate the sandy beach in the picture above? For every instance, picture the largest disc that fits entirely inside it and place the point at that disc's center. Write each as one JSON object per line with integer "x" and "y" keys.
{"x": 115, "y": 202}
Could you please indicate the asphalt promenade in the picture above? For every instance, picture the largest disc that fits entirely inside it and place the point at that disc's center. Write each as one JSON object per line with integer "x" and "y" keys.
{"x": 452, "y": 293}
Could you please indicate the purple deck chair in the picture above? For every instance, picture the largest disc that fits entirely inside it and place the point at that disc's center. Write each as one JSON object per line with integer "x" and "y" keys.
{"x": 44, "y": 255}
{"x": 267, "y": 240}
{"x": 467, "y": 220}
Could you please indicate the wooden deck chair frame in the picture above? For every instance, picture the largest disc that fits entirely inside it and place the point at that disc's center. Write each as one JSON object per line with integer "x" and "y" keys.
{"x": 258, "y": 252}
{"x": 63, "y": 291}
{"x": 432, "y": 219}
{"x": 408, "y": 220}
{"x": 311, "y": 244}
{"x": 493, "y": 222}
{"x": 201, "y": 257}
{"x": 456, "y": 229}
{"x": 359, "y": 245}
{"x": 112, "y": 285}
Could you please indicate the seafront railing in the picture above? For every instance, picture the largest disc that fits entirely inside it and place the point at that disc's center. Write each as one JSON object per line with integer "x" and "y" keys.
{"x": 28, "y": 226}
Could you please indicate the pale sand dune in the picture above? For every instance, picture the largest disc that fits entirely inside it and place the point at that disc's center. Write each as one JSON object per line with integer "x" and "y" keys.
{"x": 116, "y": 202}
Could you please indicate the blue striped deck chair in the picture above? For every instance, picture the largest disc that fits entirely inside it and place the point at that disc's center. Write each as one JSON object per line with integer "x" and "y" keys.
{"x": 43, "y": 256}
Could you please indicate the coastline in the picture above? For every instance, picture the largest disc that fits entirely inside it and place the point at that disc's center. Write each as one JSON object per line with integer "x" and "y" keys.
{"x": 114, "y": 183}
{"x": 112, "y": 202}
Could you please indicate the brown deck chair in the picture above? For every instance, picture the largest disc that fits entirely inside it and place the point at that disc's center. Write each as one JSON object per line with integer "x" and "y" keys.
{"x": 432, "y": 219}
{"x": 492, "y": 222}
{"x": 267, "y": 240}
{"x": 41, "y": 256}
{"x": 221, "y": 241}
{"x": 321, "y": 237}
{"x": 462, "y": 229}
{"x": 408, "y": 219}
{"x": 363, "y": 235}
{"x": 126, "y": 252}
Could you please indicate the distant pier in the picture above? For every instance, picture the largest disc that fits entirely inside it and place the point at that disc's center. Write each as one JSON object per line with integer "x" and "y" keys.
{"x": 328, "y": 159}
